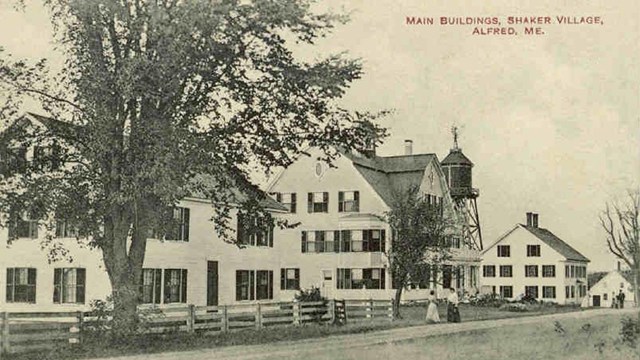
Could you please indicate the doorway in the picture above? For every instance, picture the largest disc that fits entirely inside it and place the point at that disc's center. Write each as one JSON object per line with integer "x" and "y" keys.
{"x": 327, "y": 284}
{"x": 212, "y": 283}
{"x": 596, "y": 300}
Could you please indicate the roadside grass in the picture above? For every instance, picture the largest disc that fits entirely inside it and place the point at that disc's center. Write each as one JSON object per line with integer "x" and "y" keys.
{"x": 412, "y": 315}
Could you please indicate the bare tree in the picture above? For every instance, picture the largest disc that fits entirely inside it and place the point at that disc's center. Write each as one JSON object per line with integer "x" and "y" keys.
{"x": 621, "y": 223}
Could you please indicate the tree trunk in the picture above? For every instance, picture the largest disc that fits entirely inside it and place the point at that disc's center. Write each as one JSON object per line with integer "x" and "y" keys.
{"x": 396, "y": 303}
{"x": 125, "y": 305}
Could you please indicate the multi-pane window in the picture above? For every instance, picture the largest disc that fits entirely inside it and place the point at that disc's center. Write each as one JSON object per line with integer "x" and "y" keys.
{"x": 567, "y": 292}
{"x": 21, "y": 285}
{"x": 548, "y": 292}
{"x": 151, "y": 286}
{"x": 289, "y": 279}
{"x": 175, "y": 225}
{"x": 372, "y": 240}
{"x": 573, "y": 292}
{"x": 23, "y": 225}
{"x": 504, "y": 250}
{"x": 548, "y": 271}
{"x": 69, "y": 285}
{"x": 254, "y": 232}
{"x": 459, "y": 276}
{"x": 254, "y": 285}
{"x": 288, "y": 200}
{"x": 567, "y": 272}
{"x": 582, "y": 290}
{"x": 531, "y": 270}
{"x": 533, "y": 250}
{"x": 506, "y": 271}
{"x": 531, "y": 291}
{"x": 318, "y": 202}
{"x": 175, "y": 286}
{"x": 370, "y": 278}
{"x": 506, "y": 291}
{"x": 473, "y": 276}
{"x": 348, "y": 201}
{"x": 489, "y": 270}
{"x": 65, "y": 229}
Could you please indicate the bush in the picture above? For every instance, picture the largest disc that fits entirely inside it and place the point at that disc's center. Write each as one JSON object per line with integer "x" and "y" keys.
{"x": 514, "y": 307}
{"x": 313, "y": 295}
{"x": 487, "y": 300}
{"x": 630, "y": 331}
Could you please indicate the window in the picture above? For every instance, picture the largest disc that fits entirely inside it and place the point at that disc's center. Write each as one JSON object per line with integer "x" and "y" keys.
{"x": 567, "y": 272}
{"x": 65, "y": 229}
{"x": 573, "y": 291}
{"x": 69, "y": 285}
{"x": 506, "y": 292}
{"x": 348, "y": 201}
{"x": 253, "y": 231}
{"x": 289, "y": 279}
{"x": 548, "y": 271}
{"x": 582, "y": 290}
{"x": 369, "y": 278}
{"x": 506, "y": 271}
{"x": 151, "y": 286}
{"x": 504, "y": 251}
{"x": 489, "y": 270}
{"x": 533, "y": 250}
{"x": 23, "y": 225}
{"x": 531, "y": 270}
{"x": 373, "y": 240}
{"x": 531, "y": 291}
{"x": 459, "y": 277}
{"x": 548, "y": 292}
{"x": 174, "y": 225}
{"x": 321, "y": 241}
{"x": 264, "y": 284}
{"x": 318, "y": 202}
{"x": 175, "y": 286}
{"x": 287, "y": 200}
{"x": 254, "y": 285}
{"x": 245, "y": 280}
{"x": 21, "y": 285}
{"x": 473, "y": 276}
{"x": 605, "y": 296}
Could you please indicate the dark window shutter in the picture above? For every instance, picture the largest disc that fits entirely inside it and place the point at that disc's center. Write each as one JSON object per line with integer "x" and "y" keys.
{"x": 309, "y": 203}
{"x": 167, "y": 287}
{"x": 238, "y": 285}
{"x": 283, "y": 281}
{"x": 340, "y": 201}
{"x": 356, "y": 198}
{"x": 81, "y": 280}
{"x": 13, "y": 222}
{"x": 383, "y": 240}
{"x": 279, "y": 197}
{"x": 270, "y": 234}
{"x": 184, "y": 286}
{"x": 270, "y": 284}
{"x": 304, "y": 242}
{"x": 33, "y": 229}
{"x": 252, "y": 285}
{"x": 336, "y": 241}
{"x": 293, "y": 203}
{"x": 325, "y": 198}
{"x": 57, "y": 284}
{"x": 383, "y": 278}
{"x": 9, "y": 295}
{"x": 186, "y": 215}
{"x": 297, "y": 279}
{"x": 240, "y": 233}
{"x": 365, "y": 240}
{"x": 157, "y": 285}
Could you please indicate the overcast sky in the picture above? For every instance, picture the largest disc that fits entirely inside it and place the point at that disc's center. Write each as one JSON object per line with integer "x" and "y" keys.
{"x": 551, "y": 122}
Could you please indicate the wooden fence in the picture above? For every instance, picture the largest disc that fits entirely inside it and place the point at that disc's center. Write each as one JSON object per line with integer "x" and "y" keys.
{"x": 29, "y": 331}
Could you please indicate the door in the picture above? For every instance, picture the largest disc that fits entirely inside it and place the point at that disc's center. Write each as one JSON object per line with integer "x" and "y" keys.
{"x": 596, "y": 300}
{"x": 327, "y": 284}
{"x": 212, "y": 283}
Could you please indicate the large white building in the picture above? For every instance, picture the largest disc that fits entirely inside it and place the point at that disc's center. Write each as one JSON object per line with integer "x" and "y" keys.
{"x": 530, "y": 260}
{"x": 342, "y": 238}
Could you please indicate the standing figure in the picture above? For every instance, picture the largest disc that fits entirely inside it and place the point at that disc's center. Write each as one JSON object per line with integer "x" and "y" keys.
{"x": 453, "y": 313}
{"x": 432, "y": 309}
{"x": 614, "y": 300}
{"x": 621, "y": 299}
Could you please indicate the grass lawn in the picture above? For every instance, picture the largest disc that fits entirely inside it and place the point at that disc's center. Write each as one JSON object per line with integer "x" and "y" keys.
{"x": 411, "y": 316}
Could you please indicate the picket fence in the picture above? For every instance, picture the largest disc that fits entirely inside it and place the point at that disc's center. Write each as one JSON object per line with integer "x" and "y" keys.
{"x": 21, "y": 332}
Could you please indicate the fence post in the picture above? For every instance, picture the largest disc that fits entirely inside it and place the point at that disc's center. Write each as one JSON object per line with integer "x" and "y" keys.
{"x": 393, "y": 309}
{"x": 332, "y": 311}
{"x": 4, "y": 346}
{"x": 225, "y": 319}
{"x": 258, "y": 316}
{"x": 191, "y": 322}
{"x": 80, "y": 326}
{"x": 296, "y": 313}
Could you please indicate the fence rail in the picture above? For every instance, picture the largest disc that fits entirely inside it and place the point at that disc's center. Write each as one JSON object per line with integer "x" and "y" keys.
{"x": 28, "y": 331}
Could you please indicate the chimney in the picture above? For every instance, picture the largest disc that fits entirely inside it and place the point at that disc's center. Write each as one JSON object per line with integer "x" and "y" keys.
{"x": 408, "y": 147}
{"x": 529, "y": 219}
{"x": 535, "y": 220}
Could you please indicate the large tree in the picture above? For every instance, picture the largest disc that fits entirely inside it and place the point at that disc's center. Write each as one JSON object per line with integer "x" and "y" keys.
{"x": 172, "y": 97}
{"x": 420, "y": 241}
{"x": 621, "y": 223}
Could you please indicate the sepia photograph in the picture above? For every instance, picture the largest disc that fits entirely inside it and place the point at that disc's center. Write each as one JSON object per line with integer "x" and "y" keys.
{"x": 319, "y": 179}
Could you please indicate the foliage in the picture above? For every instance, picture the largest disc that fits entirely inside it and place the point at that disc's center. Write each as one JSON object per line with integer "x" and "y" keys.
{"x": 514, "y": 307}
{"x": 630, "y": 331}
{"x": 103, "y": 320}
{"x": 310, "y": 295}
{"x": 487, "y": 300}
{"x": 421, "y": 235}
{"x": 164, "y": 99}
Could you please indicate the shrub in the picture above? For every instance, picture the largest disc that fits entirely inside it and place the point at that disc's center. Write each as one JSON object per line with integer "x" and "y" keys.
{"x": 630, "y": 331}
{"x": 487, "y": 300}
{"x": 313, "y": 295}
{"x": 514, "y": 307}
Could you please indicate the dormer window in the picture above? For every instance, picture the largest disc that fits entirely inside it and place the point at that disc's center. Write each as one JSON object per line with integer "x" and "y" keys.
{"x": 348, "y": 201}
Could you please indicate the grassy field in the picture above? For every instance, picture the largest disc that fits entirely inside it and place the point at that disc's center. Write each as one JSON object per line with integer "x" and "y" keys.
{"x": 411, "y": 316}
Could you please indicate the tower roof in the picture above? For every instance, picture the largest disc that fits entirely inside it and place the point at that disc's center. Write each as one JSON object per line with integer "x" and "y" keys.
{"x": 456, "y": 157}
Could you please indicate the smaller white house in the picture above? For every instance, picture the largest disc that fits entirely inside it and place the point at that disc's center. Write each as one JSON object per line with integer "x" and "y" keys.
{"x": 532, "y": 261}
{"x": 607, "y": 287}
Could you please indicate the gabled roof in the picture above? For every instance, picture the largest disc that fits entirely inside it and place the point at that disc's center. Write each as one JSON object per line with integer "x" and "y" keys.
{"x": 548, "y": 238}
{"x": 556, "y": 243}
{"x": 391, "y": 174}
{"x": 596, "y": 277}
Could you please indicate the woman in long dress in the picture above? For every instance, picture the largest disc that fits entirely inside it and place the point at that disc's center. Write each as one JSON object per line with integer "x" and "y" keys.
{"x": 432, "y": 308}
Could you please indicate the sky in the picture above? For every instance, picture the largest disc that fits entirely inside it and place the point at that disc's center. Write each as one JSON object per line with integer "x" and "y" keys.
{"x": 551, "y": 122}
